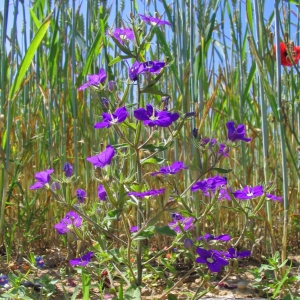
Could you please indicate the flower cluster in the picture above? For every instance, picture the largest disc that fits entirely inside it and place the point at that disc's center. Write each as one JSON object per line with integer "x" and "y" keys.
{"x": 151, "y": 117}
{"x": 67, "y": 224}
{"x": 180, "y": 222}
{"x": 172, "y": 169}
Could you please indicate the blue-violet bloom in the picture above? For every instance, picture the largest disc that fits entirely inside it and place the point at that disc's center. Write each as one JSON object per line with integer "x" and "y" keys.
{"x": 154, "y": 21}
{"x": 42, "y": 178}
{"x": 66, "y": 224}
{"x": 146, "y": 193}
{"x": 236, "y": 133}
{"x": 134, "y": 228}
{"x": 55, "y": 186}
{"x": 94, "y": 80}
{"x": 185, "y": 222}
{"x": 123, "y": 34}
{"x": 152, "y": 117}
{"x": 212, "y": 258}
{"x": 209, "y": 184}
{"x": 104, "y": 158}
{"x": 82, "y": 261}
{"x": 3, "y": 280}
{"x": 153, "y": 66}
{"x": 80, "y": 195}
{"x": 233, "y": 253}
{"x": 40, "y": 262}
{"x": 273, "y": 197}
{"x": 249, "y": 192}
{"x": 118, "y": 116}
{"x": 173, "y": 169}
{"x": 102, "y": 193}
{"x": 68, "y": 169}
{"x": 188, "y": 243}
{"x": 223, "y": 194}
{"x": 136, "y": 69}
{"x": 210, "y": 237}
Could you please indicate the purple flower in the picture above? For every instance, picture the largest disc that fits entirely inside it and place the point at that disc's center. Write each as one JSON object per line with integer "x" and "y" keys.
{"x": 134, "y": 228}
{"x": 223, "y": 194}
{"x": 273, "y": 197}
{"x": 153, "y": 66}
{"x": 40, "y": 262}
{"x": 188, "y": 243}
{"x": 82, "y": 261}
{"x": 152, "y": 117}
{"x": 80, "y": 195}
{"x": 222, "y": 150}
{"x": 209, "y": 184}
{"x": 102, "y": 193}
{"x": 42, "y": 178}
{"x": 146, "y": 193}
{"x": 3, "y": 280}
{"x": 248, "y": 192}
{"x": 135, "y": 70}
{"x": 212, "y": 142}
{"x": 233, "y": 253}
{"x": 68, "y": 169}
{"x": 66, "y": 224}
{"x": 153, "y": 21}
{"x": 108, "y": 119}
{"x": 123, "y": 34}
{"x": 210, "y": 237}
{"x": 104, "y": 158}
{"x": 94, "y": 80}
{"x": 112, "y": 86}
{"x": 212, "y": 258}
{"x": 236, "y": 133}
{"x": 186, "y": 223}
{"x": 173, "y": 169}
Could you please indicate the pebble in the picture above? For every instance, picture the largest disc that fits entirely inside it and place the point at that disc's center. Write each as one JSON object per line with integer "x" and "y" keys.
{"x": 241, "y": 285}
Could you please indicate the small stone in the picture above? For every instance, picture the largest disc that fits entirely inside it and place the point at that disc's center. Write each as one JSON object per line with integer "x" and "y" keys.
{"x": 241, "y": 285}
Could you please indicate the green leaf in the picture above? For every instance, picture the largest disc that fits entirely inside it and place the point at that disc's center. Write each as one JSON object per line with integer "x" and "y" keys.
{"x": 249, "y": 15}
{"x": 115, "y": 60}
{"x": 153, "y": 148}
{"x": 166, "y": 230}
{"x": 28, "y": 58}
{"x": 152, "y": 160}
{"x": 113, "y": 214}
{"x": 132, "y": 293}
{"x": 154, "y": 91}
{"x": 220, "y": 170}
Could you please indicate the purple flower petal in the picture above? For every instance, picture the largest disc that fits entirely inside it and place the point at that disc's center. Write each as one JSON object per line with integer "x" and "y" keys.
{"x": 94, "y": 80}
{"x": 82, "y": 261}
{"x": 154, "y": 21}
{"x": 118, "y": 116}
{"x": 273, "y": 197}
{"x": 102, "y": 193}
{"x": 236, "y": 133}
{"x": 173, "y": 169}
{"x": 146, "y": 193}
{"x": 134, "y": 228}
{"x": 80, "y": 195}
{"x": 123, "y": 34}
{"x": 248, "y": 192}
{"x": 66, "y": 224}
{"x": 104, "y": 158}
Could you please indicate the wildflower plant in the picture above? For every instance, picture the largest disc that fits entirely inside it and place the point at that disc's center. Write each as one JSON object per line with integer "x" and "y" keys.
{"x": 139, "y": 130}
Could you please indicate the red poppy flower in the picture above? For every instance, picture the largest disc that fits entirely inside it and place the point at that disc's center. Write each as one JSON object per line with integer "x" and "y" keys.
{"x": 284, "y": 56}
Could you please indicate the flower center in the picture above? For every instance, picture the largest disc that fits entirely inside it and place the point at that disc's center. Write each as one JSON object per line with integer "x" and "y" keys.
{"x": 250, "y": 193}
{"x": 210, "y": 260}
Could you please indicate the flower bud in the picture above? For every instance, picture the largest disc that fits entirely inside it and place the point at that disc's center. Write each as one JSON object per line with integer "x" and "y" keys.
{"x": 112, "y": 86}
{"x": 188, "y": 243}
